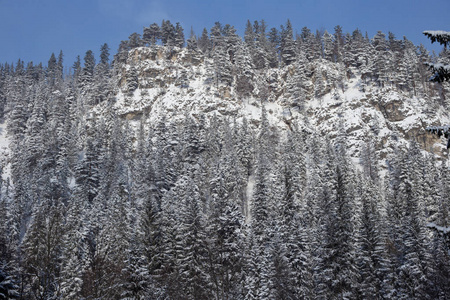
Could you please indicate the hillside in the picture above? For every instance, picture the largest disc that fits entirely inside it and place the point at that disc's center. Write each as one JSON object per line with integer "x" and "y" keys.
{"x": 389, "y": 116}
{"x": 262, "y": 167}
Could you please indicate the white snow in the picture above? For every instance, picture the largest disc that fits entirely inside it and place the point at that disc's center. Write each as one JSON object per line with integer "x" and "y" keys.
{"x": 4, "y": 151}
{"x": 437, "y": 32}
{"x": 362, "y": 111}
{"x": 443, "y": 230}
{"x": 249, "y": 194}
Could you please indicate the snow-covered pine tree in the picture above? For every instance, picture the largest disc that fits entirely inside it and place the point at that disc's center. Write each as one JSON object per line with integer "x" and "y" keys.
{"x": 441, "y": 71}
{"x": 338, "y": 45}
{"x": 102, "y": 76}
{"x": 8, "y": 287}
{"x": 328, "y": 46}
{"x": 72, "y": 267}
{"x": 151, "y": 34}
{"x": 192, "y": 42}
{"x": 179, "y": 39}
{"x": 88, "y": 69}
{"x": 381, "y": 59}
{"x": 287, "y": 44}
{"x": 292, "y": 228}
{"x": 245, "y": 73}
{"x": 134, "y": 40}
{"x": 261, "y": 57}
{"x": 336, "y": 269}
{"x": 225, "y": 238}
{"x": 204, "y": 43}
{"x": 370, "y": 238}
{"x": 41, "y": 251}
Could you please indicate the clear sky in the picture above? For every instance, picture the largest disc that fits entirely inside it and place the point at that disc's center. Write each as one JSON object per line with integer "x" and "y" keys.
{"x": 32, "y": 29}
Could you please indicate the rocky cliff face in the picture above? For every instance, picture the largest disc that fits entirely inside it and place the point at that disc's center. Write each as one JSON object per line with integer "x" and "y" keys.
{"x": 318, "y": 96}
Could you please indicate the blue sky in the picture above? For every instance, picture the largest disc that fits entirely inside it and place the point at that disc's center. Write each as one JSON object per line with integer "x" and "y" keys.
{"x": 32, "y": 29}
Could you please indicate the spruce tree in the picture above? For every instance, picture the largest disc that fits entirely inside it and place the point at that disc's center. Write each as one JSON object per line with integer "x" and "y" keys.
{"x": 179, "y": 36}
{"x": 204, "y": 43}
{"x": 287, "y": 45}
{"x": 441, "y": 71}
{"x": 167, "y": 33}
{"x": 152, "y": 34}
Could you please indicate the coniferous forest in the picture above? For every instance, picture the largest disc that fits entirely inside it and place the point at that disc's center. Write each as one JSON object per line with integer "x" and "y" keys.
{"x": 98, "y": 203}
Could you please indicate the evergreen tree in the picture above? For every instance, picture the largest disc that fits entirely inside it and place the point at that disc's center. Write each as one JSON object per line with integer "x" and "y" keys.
{"x": 76, "y": 67}
{"x": 287, "y": 45}
{"x": 249, "y": 36}
{"x": 336, "y": 268}
{"x": 381, "y": 59}
{"x": 152, "y": 34}
{"x": 192, "y": 43}
{"x": 52, "y": 69}
{"x": 122, "y": 52}
{"x": 104, "y": 54}
{"x": 261, "y": 197}
{"x": 72, "y": 251}
{"x": 8, "y": 287}
{"x": 370, "y": 251}
{"x": 102, "y": 76}
{"x": 339, "y": 42}
{"x": 41, "y": 247}
{"x": 87, "y": 73}
{"x": 87, "y": 172}
{"x": 245, "y": 75}
{"x": 273, "y": 38}
{"x": 179, "y": 36}
{"x": 204, "y": 44}
{"x": 414, "y": 269}
{"x": 224, "y": 231}
{"x": 151, "y": 243}
{"x": 89, "y": 64}
{"x": 292, "y": 226}
{"x": 262, "y": 54}
{"x": 257, "y": 273}
{"x": 441, "y": 71}
{"x": 222, "y": 64}
{"x": 134, "y": 41}
{"x": 168, "y": 33}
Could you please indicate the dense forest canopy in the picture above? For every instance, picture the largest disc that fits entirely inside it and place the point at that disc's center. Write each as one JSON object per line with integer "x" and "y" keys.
{"x": 100, "y": 204}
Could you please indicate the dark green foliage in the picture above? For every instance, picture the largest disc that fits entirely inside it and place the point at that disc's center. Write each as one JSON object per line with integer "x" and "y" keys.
{"x": 152, "y": 34}
{"x": 76, "y": 67}
{"x": 51, "y": 69}
{"x": 441, "y": 37}
{"x": 192, "y": 41}
{"x": 204, "y": 44}
{"x": 441, "y": 72}
{"x": 168, "y": 33}
{"x": 89, "y": 63}
{"x": 122, "y": 52}
{"x": 287, "y": 46}
{"x": 134, "y": 40}
{"x": 104, "y": 54}
{"x": 179, "y": 36}
{"x": 8, "y": 287}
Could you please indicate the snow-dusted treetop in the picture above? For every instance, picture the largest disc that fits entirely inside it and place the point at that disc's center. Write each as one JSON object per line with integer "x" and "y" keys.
{"x": 440, "y": 71}
{"x": 440, "y": 36}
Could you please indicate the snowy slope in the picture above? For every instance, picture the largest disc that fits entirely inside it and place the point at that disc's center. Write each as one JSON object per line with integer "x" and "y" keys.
{"x": 4, "y": 151}
{"x": 362, "y": 111}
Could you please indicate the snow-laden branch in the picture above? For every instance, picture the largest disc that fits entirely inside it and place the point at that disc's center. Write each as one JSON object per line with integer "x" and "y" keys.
{"x": 441, "y": 229}
{"x": 440, "y": 36}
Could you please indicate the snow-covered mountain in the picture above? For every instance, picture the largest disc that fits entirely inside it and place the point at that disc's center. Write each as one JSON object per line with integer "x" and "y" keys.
{"x": 170, "y": 82}
{"x": 262, "y": 168}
